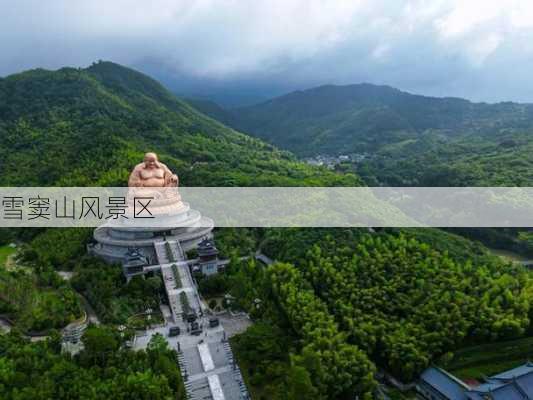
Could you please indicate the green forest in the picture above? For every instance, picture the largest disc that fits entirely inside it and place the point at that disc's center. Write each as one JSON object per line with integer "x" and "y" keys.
{"x": 389, "y": 300}
{"x": 363, "y": 117}
{"x": 37, "y": 301}
{"x": 472, "y": 160}
{"x": 94, "y": 125}
{"x": 103, "y": 370}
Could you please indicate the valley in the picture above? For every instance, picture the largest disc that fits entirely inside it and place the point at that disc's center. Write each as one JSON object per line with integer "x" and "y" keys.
{"x": 394, "y": 138}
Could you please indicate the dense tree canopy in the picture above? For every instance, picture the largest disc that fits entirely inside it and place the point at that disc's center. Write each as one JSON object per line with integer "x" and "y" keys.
{"x": 93, "y": 125}
{"x": 405, "y": 304}
{"x": 37, "y": 371}
{"x": 336, "y": 367}
{"x": 37, "y": 300}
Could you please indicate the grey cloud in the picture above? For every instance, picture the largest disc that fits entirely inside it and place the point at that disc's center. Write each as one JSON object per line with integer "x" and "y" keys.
{"x": 478, "y": 49}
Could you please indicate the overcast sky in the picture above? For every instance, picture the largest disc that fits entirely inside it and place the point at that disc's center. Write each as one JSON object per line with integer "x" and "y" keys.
{"x": 478, "y": 49}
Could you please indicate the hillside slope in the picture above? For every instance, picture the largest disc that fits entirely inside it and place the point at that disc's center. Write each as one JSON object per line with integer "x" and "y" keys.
{"x": 396, "y": 138}
{"x": 90, "y": 126}
{"x": 363, "y": 117}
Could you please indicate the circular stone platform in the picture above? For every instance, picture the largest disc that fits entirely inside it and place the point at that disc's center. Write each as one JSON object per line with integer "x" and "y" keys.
{"x": 184, "y": 225}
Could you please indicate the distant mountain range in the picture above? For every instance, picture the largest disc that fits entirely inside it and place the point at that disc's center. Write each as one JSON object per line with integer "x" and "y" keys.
{"x": 406, "y": 139}
{"x": 363, "y": 117}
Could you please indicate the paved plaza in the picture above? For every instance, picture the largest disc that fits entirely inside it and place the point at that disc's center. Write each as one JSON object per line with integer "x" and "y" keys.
{"x": 205, "y": 357}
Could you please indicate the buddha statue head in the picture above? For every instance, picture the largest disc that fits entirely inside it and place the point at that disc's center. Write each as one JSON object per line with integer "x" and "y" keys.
{"x": 152, "y": 173}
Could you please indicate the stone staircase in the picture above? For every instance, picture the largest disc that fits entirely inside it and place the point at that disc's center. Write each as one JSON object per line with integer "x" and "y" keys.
{"x": 175, "y": 249}
{"x": 161, "y": 253}
{"x": 181, "y": 362}
{"x": 237, "y": 376}
{"x": 169, "y": 251}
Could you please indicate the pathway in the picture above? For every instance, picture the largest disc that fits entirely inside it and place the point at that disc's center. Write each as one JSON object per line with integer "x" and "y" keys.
{"x": 206, "y": 360}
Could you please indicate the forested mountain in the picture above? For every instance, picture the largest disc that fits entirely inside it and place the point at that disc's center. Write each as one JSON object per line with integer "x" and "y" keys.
{"x": 471, "y": 160}
{"x": 363, "y": 117}
{"x": 212, "y": 109}
{"x": 90, "y": 126}
{"x": 400, "y": 138}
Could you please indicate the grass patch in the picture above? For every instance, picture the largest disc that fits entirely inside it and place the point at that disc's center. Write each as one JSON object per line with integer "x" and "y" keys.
{"x": 488, "y": 359}
{"x": 141, "y": 321}
{"x": 395, "y": 394}
{"x": 508, "y": 256}
{"x": 392, "y": 147}
{"x": 482, "y": 371}
{"x": 5, "y": 252}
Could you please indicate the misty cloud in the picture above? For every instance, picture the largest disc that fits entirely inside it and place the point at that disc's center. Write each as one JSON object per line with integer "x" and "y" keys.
{"x": 481, "y": 50}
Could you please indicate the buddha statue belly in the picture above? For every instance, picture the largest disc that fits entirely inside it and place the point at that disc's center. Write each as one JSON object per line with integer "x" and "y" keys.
{"x": 153, "y": 177}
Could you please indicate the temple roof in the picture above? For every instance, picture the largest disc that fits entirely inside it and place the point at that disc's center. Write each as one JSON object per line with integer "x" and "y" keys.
{"x": 207, "y": 247}
{"x": 515, "y": 372}
{"x": 444, "y": 383}
{"x": 514, "y": 384}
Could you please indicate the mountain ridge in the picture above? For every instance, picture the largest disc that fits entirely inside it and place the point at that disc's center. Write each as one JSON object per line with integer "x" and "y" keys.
{"x": 88, "y": 126}
{"x": 395, "y": 138}
{"x": 326, "y": 118}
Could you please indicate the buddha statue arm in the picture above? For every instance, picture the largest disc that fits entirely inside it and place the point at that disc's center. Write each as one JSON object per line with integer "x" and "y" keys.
{"x": 135, "y": 179}
{"x": 170, "y": 178}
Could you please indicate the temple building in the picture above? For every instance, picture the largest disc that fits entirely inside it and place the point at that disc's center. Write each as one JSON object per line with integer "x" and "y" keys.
{"x": 208, "y": 261}
{"x": 516, "y": 383}
{"x": 72, "y": 334}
